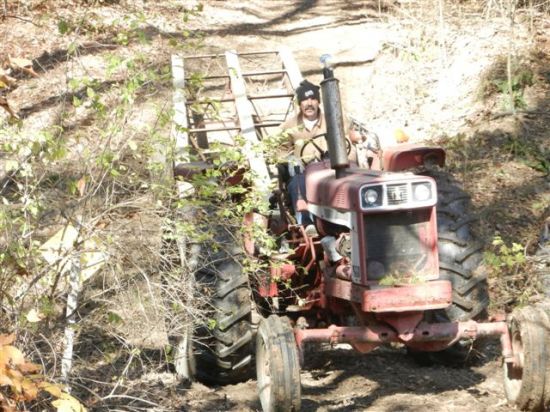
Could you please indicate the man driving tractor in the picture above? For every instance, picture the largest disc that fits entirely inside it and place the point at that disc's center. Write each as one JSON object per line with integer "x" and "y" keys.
{"x": 301, "y": 128}
{"x": 306, "y": 132}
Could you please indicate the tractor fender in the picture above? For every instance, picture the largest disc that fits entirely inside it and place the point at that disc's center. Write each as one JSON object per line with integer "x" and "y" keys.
{"x": 186, "y": 171}
{"x": 410, "y": 155}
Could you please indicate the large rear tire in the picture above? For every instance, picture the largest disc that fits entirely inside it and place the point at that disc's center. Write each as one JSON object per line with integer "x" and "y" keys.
{"x": 460, "y": 261}
{"x": 460, "y": 257}
{"x": 224, "y": 340}
{"x": 217, "y": 344}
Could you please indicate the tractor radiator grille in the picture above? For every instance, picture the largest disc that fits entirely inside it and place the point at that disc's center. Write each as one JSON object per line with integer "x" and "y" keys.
{"x": 397, "y": 194}
{"x": 399, "y": 246}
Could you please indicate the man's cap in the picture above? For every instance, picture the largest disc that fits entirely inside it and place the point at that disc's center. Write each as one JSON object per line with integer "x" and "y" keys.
{"x": 307, "y": 90}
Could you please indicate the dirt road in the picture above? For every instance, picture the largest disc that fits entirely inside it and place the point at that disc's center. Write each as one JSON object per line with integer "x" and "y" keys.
{"x": 386, "y": 380}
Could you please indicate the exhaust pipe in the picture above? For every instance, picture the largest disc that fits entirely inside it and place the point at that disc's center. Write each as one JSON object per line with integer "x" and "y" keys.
{"x": 335, "y": 120}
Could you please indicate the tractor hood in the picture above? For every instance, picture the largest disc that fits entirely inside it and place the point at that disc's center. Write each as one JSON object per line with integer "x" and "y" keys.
{"x": 394, "y": 191}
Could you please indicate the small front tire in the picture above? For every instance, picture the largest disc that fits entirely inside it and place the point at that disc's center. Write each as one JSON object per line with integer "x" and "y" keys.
{"x": 524, "y": 379}
{"x": 184, "y": 358}
{"x": 277, "y": 366}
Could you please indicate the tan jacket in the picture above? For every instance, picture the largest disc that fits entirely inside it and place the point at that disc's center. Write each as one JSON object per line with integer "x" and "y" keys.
{"x": 298, "y": 136}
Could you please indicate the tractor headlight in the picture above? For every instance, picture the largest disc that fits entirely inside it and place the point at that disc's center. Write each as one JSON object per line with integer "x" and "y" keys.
{"x": 422, "y": 192}
{"x": 372, "y": 196}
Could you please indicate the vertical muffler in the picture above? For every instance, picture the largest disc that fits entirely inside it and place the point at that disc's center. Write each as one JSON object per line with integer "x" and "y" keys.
{"x": 335, "y": 120}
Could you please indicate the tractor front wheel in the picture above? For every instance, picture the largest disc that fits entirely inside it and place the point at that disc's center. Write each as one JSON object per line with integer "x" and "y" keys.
{"x": 184, "y": 358}
{"x": 524, "y": 379}
{"x": 277, "y": 366}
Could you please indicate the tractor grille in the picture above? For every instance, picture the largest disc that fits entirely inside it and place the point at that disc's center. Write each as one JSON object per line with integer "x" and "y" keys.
{"x": 398, "y": 245}
{"x": 397, "y": 194}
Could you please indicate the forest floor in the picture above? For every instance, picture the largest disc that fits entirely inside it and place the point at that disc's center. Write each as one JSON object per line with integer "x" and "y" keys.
{"x": 439, "y": 75}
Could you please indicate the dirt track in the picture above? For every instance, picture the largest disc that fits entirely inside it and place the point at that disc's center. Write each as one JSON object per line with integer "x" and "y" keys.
{"x": 385, "y": 380}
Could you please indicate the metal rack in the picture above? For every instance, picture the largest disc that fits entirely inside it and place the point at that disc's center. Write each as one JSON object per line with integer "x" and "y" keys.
{"x": 220, "y": 96}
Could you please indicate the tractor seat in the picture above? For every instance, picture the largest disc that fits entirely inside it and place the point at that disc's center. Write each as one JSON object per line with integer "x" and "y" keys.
{"x": 187, "y": 170}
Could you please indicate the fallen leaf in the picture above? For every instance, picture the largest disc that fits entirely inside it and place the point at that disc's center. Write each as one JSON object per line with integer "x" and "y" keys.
{"x": 52, "y": 389}
{"x": 81, "y": 186}
{"x": 68, "y": 404}
{"x": 30, "y": 391}
{"x": 5, "y": 80}
{"x": 4, "y": 104}
{"x": 19, "y": 63}
{"x": 7, "y": 339}
{"x": 30, "y": 71}
{"x": 29, "y": 367}
{"x": 15, "y": 374}
{"x": 10, "y": 165}
{"x": 22, "y": 64}
{"x": 4, "y": 380}
{"x": 33, "y": 316}
{"x": 16, "y": 378}
{"x": 11, "y": 356}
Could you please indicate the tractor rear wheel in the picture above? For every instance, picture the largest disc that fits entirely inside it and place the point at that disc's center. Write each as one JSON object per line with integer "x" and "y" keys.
{"x": 460, "y": 254}
{"x": 277, "y": 366}
{"x": 224, "y": 346}
{"x": 218, "y": 348}
{"x": 460, "y": 261}
{"x": 524, "y": 379}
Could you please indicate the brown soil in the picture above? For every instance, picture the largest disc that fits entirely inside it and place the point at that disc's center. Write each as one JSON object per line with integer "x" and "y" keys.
{"x": 399, "y": 66}
{"x": 384, "y": 380}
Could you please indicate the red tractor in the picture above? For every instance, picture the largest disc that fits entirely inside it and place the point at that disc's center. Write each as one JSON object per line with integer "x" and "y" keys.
{"x": 392, "y": 260}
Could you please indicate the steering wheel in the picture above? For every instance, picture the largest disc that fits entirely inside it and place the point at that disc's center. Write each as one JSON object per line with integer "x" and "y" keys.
{"x": 320, "y": 154}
